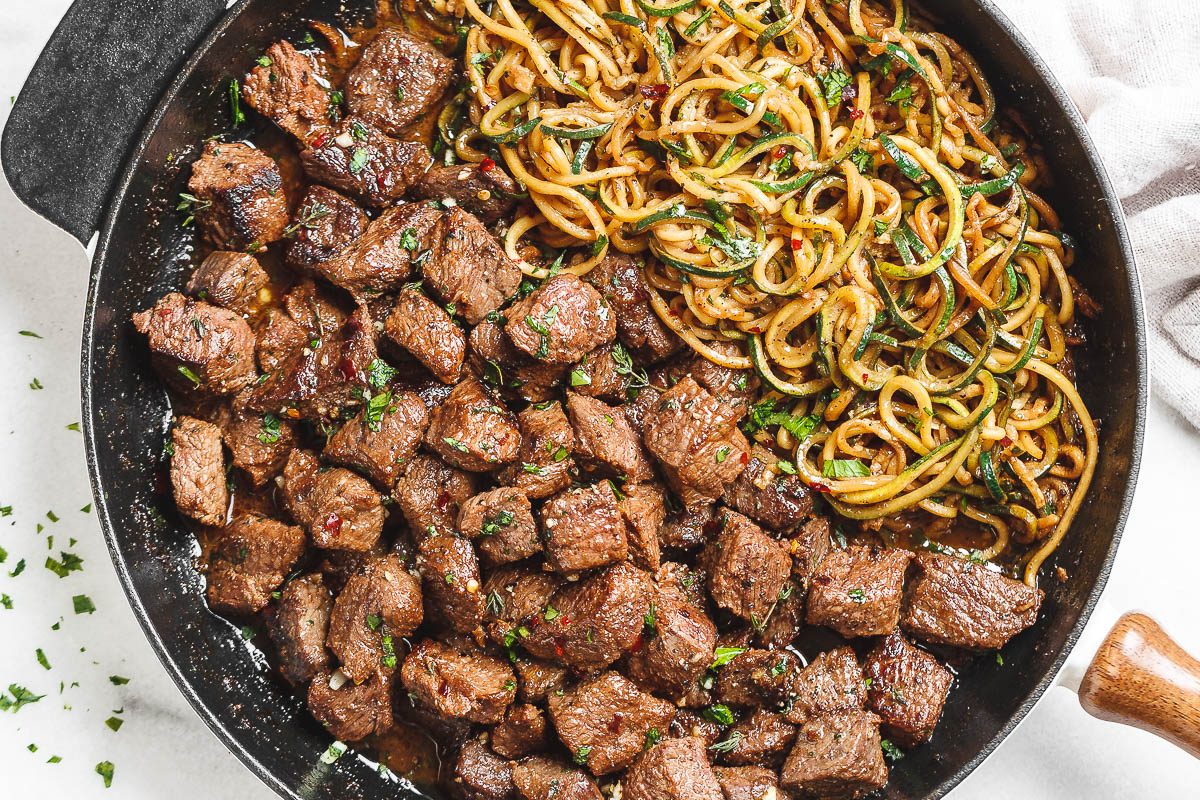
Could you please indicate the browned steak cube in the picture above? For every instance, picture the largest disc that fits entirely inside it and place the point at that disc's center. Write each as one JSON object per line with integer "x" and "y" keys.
{"x": 735, "y": 387}
{"x": 601, "y": 374}
{"x": 749, "y": 783}
{"x": 857, "y": 590}
{"x": 748, "y": 570}
{"x": 296, "y": 485}
{"x": 810, "y": 543}
{"x": 462, "y": 685}
{"x": 469, "y": 268}
{"x": 471, "y": 430}
{"x": 643, "y": 505}
{"x": 278, "y": 337}
{"x": 770, "y": 497}
{"x": 605, "y": 442}
{"x": 758, "y": 678}
{"x": 908, "y": 688}
{"x": 347, "y": 512}
{"x": 198, "y": 471}
{"x": 598, "y": 619}
{"x": 500, "y": 365}
{"x": 197, "y": 346}
{"x": 603, "y": 721}
{"x": 516, "y": 600}
{"x": 785, "y": 622}
{"x": 560, "y": 321}
{"x": 522, "y": 733}
{"x": 837, "y": 755}
{"x": 258, "y": 444}
{"x": 691, "y": 722}
{"x": 484, "y": 190}
{"x": 397, "y": 80}
{"x": 500, "y": 523}
{"x": 479, "y": 774}
{"x": 695, "y": 438}
{"x": 537, "y": 680}
{"x": 674, "y": 769}
{"x": 229, "y": 280}
{"x": 618, "y": 277}
{"x": 382, "y": 258}
{"x": 284, "y": 89}
{"x": 689, "y": 528}
{"x": 686, "y": 579}
{"x": 431, "y": 494}
{"x": 249, "y": 558}
{"x": 239, "y": 202}
{"x": 299, "y": 628}
{"x": 380, "y": 604}
{"x": 545, "y": 778}
{"x": 352, "y": 711}
{"x": 763, "y": 737}
{"x": 450, "y": 576}
{"x": 546, "y": 444}
{"x": 967, "y": 605}
{"x": 382, "y": 438}
{"x": 832, "y": 682}
{"x": 359, "y": 159}
{"x": 425, "y": 330}
{"x": 677, "y": 647}
{"x": 324, "y": 225}
{"x": 584, "y": 529}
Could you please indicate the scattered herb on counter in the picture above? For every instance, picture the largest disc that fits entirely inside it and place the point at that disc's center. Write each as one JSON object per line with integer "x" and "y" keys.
{"x": 117, "y": 680}
{"x": 74, "y": 426}
{"x": 31, "y": 334}
{"x": 105, "y": 770}
{"x": 35, "y": 384}
{"x": 65, "y": 564}
{"x": 114, "y": 723}
{"x": 17, "y": 698}
{"x": 83, "y": 604}
{"x": 18, "y": 569}
{"x": 41, "y": 658}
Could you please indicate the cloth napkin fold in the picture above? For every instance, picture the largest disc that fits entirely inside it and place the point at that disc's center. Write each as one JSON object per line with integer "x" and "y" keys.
{"x": 1133, "y": 69}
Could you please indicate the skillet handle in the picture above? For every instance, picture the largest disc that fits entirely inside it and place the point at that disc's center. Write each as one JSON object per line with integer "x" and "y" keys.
{"x": 87, "y": 98}
{"x": 1141, "y": 677}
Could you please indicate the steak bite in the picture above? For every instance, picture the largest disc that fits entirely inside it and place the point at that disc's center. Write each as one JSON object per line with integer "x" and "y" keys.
{"x": 604, "y": 721}
{"x": 397, "y": 80}
{"x": 472, "y": 431}
{"x": 359, "y": 159}
{"x": 749, "y": 783}
{"x": 857, "y": 590}
{"x": 689, "y": 528}
{"x": 560, "y": 321}
{"x": 296, "y": 485}
{"x": 197, "y": 346}
{"x": 605, "y": 373}
{"x": 643, "y": 505}
{"x": 425, "y": 330}
{"x": 325, "y": 224}
{"x": 347, "y": 512}
{"x": 517, "y": 598}
{"x": 239, "y": 199}
{"x": 758, "y": 678}
{"x": 278, "y": 337}
{"x": 479, "y": 774}
{"x": 382, "y": 438}
{"x": 469, "y": 268}
{"x": 494, "y": 359}
{"x": 450, "y": 576}
{"x": 736, "y": 387}
{"x": 584, "y": 529}
{"x": 831, "y": 683}
{"x": 484, "y": 189}
{"x": 258, "y": 444}
{"x": 382, "y": 258}
{"x": 500, "y": 524}
{"x": 431, "y": 494}
{"x": 522, "y": 733}
{"x": 674, "y": 769}
{"x": 907, "y": 689}
{"x": 198, "y": 471}
{"x": 810, "y": 543}
{"x": 537, "y": 680}
{"x": 380, "y": 604}
{"x": 229, "y": 280}
{"x": 677, "y": 647}
{"x": 768, "y": 496}
{"x": 695, "y": 438}
{"x": 249, "y": 559}
{"x": 605, "y": 442}
{"x": 469, "y": 686}
{"x": 547, "y": 440}
{"x": 618, "y": 278}
{"x": 285, "y": 89}
{"x": 748, "y": 570}
{"x": 299, "y": 628}
{"x": 761, "y": 738}
{"x": 545, "y": 778}
{"x": 957, "y": 603}
{"x": 837, "y": 755}
{"x": 689, "y": 722}
{"x": 353, "y": 711}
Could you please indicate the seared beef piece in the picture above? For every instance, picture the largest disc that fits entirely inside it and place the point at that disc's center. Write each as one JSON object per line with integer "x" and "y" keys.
{"x": 690, "y": 722}
{"x": 809, "y": 545}
{"x": 643, "y": 505}
{"x": 749, "y": 783}
{"x": 758, "y": 678}
{"x": 425, "y": 330}
{"x": 352, "y": 711}
{"x": 857, "y": 590}
{"x": 962, "y": 604}
{"x": 239, "y": 199}
{"x": 604, "y": 721}
{"x": 325, "y": 224}
{"x": 197, "y": 346}
{"x": 296, "y": 485}
{"x": 618, "y": 277}
{"x": 229, "y": 280}
{"x": 677, "y": 648}
{"x": 696, "y": 440}
{"x": 500, "y": 523}
{"x": 249, "y": 558}
{"x": 771, "y": 498}
{"x": 499, "y": 364}
{"x": 381, "y": 439}
{"x": 583, "y": 529}
{"x": 832, "y": 682}
{"x": 381, "y": 600}
{"x": 560, "y": 321}
{"x": 277, "y": 338}
{"x": 469, "y": 267}
{"x": 430, "y": 495}
{"x": 748, "y": 570}
{"x": 837, "y": 755}
{"x": 347, "y": 512}
{"x": 382, "y": 258}
{"x": 674, "y": 769}
{"x": 472, "y": 430}
{"x": 537, "y": 680}
{"x": 735, "y": 387}
{"x": 605, "y": 442}
{"x": 450, "y": 575}
{"x": 484, "y": 190}
{"x": 516, "y": 601}
{"x": 546, "y": 444}
{"x": 198, "y": 471}
{"x": 285, "y": 89}
{"x": 908, "y": 689}
{"x": 258, "y": 444}
{"x": 397, "y": 80}
{"x": 761, "y": 738}
{"x": 689, "y": 528}
{"x": 686, "y": 579}
{"x": 522, "y": 733}
{"x": 785, "y": 622}
{"x": 599, "y": 618}
{"x": 599, "y": 374}
{"x": 464, "y": 685}
{"x": 545, "y": 778}
{"x": 479, "y": 774}
{"x": 449, "y": 733}
{"x": 359, "y": 159}
{"x": 299, "y": 628}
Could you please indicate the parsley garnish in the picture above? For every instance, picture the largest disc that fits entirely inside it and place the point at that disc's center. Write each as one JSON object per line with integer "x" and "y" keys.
{"x": 719, "y": 714}
{"x": 834, "y": 83}
{"x": 376, "y": 406}
{"x": 456, "y": 444}
{"x": 358, "y": 160}
{"x": 270, "y": 429}
{"x": 493, "y": 524}
{"x": 580, "y": 756}
{"x": 62, "y": 568}
{"x": 83, "y": 604}
{"x": 890, "y": 751}
{"x": 236, "y": 115}
{"x": 41, "y": 658}
{"x": 845, "y": 468}
{"x": 723, "y": 655}
{"x": 20, "y": 697}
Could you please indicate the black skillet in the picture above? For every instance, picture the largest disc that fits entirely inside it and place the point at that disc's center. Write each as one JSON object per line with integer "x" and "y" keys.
{"x": 99, "y": 140}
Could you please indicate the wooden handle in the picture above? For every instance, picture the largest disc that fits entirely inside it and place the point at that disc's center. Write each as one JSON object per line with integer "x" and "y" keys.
{"x": 1141, "y": 677}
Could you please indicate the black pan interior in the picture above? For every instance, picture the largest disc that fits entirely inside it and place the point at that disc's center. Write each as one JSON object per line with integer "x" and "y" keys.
{"x": 143, "y": 253}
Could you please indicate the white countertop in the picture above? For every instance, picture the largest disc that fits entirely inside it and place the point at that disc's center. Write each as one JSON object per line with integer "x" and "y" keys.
{"x": 164, "y": 750}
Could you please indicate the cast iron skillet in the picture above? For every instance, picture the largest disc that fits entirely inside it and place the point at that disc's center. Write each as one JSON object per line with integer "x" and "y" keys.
{"x": 89, "y": 107}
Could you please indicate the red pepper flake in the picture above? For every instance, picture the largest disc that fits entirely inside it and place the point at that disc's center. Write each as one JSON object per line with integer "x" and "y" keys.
{"x": 381, "y": 182}
{"x": 778, "y": 151}
{"x": 865, "y": 376}
{"x": 442, "y": 501}
{"x": 745, "y": 457}
{"x": 320, "y": 141}
{"x": 487, "y": 165}
{"x": 797, "y": 244}
{"x": 333, "y": 525}
{"x": 1006, "y": 441}
{"x": 616, "y": 723}
{"x": 638, "y": 643}
{"x": 654, "y": 91}
{"x": 558, "y": 650}
{"x": 565, "y": 621}
{"x": 856, "y": 113}
{"x": 348, "y": 369}
{"x": 820, "y": 487}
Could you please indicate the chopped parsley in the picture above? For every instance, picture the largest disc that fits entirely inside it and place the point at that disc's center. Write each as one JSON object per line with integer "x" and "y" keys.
{"x": 65, "y": 564}
{"x": 41, "y": 658}
{"x": 380, "y": 373}
{"x": 455, "y": 444}
{"x": 580, "y": 756}
{"x": 377, "y": 405}
{"x": 374, "y": 621}
{"x": 83, "y": 604}
{"x": 719, "y": 714}
{"x": 722, "y": 454}
{"x": 389, "y": 652}
{"x": 30, "y": 334}
{"x": 114, "y": 723}
{"x": 890, "y": 751}
{"x": 834, "y": 83}
{"x": 857, "y": 595}
{"x": 551, "y": 613}
{"x": 654, "y": 735}
{"x": 238, "y": 117}
{"x": 580, "y": 378}
{"x": 18, "y": 569}
{"x": 862, "y": 160}
{"x": 723, "y": 655}
{"x": 270, "y": 429}
{"x": 17, "y": 698}
{"x": 845, "y": 468}
{"x": 493, "y": 524}
{"x": 105, "y": 769}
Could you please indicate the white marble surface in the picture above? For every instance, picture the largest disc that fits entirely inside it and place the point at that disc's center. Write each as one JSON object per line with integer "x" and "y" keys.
{"x": 163, "y": 749}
